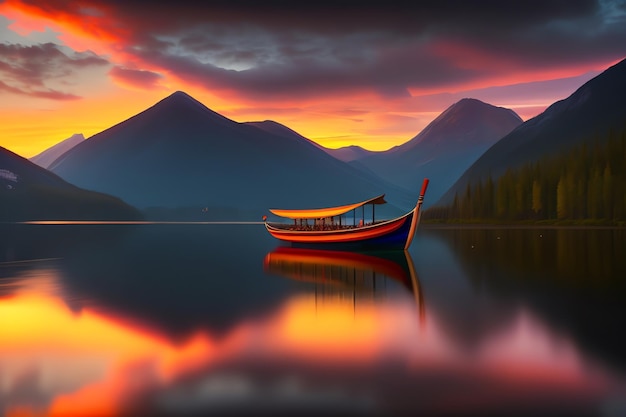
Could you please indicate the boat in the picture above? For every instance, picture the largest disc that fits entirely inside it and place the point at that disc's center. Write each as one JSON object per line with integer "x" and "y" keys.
{"x": 323, "y": 227}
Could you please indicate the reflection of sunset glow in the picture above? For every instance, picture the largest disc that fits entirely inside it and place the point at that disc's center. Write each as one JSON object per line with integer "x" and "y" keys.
{"x": 329, "y": 328}
{"x": 86, "y": 362}
{"x": 537, "y": 357}
{"x": 89, "y": 363}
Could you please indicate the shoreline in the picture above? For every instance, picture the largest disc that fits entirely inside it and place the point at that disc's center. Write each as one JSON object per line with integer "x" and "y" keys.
{"x": 443, "y": 226}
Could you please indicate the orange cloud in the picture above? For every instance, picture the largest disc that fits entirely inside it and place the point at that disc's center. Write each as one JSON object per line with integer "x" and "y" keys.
{"x": 82, "y": 25}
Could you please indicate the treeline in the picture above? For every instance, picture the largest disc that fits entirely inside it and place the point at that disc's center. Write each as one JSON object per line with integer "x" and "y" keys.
{"x": 587, "y": 182}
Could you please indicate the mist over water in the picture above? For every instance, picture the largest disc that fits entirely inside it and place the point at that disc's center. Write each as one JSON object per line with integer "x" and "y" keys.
{"x": 175, "y": 319}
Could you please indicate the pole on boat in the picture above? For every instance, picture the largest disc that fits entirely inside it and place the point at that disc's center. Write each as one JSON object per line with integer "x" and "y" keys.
{"x": 420, "y": 199}
{"x": 417, "y": 214}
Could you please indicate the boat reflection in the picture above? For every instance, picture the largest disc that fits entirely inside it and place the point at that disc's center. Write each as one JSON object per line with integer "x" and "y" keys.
{"x": 362, "y": 275}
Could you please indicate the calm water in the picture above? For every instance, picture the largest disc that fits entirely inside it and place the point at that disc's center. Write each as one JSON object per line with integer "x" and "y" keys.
{"x": 161, "y": 319}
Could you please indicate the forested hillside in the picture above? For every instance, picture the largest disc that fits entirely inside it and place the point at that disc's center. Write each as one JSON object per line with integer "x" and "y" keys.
{"x": 587, "y": 182}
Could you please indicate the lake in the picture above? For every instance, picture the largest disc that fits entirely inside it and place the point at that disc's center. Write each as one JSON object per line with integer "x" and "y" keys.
{"x": 179, "y": 319}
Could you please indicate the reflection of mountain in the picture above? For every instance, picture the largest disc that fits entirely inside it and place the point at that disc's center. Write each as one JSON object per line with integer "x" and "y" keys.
{"x": 23, "y": 243}
{"x": 361, "y": 274}
{"x": 175, "y": 279}
{"x": 573, "y": 279}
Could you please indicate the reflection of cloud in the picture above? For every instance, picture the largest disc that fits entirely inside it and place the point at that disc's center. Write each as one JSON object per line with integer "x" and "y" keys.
{"x": 24, "y": 391}
{"x": 529, "y": 343}
{"x": 238, "y": 392}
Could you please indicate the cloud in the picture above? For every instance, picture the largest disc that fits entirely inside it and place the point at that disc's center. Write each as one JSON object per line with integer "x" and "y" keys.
{"x": 274, "y": 49}
{"x": 27, "y": 70}
{"x": 38, "y": 93}
{"x": 316, "y": 49}
{"x": 142, "y": 79}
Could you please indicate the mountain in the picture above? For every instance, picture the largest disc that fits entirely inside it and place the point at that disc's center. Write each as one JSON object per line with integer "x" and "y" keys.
{"x": 596, "y": 108}
{"x": 445, "y": 148}
{"x": 278, "y": 129}
{"x": 349, "y": 153}
{"x": 345, "y": 154}
{"x": 29, "y": 192}
{"x": 180, "y": 156}
{"x": 47, "y": 157}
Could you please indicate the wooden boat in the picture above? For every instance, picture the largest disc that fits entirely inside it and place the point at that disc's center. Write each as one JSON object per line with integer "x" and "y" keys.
{"x": 323, "y": 227}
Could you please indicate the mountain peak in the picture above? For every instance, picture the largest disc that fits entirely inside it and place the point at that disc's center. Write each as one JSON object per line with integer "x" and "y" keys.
{"x": 468, "y": 119}
{"x": 179, "y": 103}
{"x": 47, "y": 157}
{"x": 473, "y": 106}
{"x": 595, "y": 108}
{"x": 180, "y": 97}
{"x": 468, "y": 101}
{"x": 179, "y": 155}
{"x": 446, "y": 147}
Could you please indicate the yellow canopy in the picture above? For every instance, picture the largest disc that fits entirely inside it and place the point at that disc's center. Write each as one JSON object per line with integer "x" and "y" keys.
{"x": 325, "y": 212}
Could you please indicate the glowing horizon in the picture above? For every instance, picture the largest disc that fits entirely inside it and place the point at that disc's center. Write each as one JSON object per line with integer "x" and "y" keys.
{"x": 354, "y": 79}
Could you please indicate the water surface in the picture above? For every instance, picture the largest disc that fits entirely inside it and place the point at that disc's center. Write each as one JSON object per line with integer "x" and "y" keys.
{"x": 176, "y": 319}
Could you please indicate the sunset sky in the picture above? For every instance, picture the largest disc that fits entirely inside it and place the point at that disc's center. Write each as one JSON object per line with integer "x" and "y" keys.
{"x": 371, "y": 75}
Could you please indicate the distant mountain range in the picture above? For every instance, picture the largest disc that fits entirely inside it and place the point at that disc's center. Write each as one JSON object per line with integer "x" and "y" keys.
{"x": 29, "y": 192}
{"x": 445, "y": 148}
{"x": 395, "y": 193}
{"x": 596, "y": 108}
{"x": 47, "y": 157}
{"x": 441, "y": 152}
{"x": 181, "y": 157}
{"x": 349, "y": 153}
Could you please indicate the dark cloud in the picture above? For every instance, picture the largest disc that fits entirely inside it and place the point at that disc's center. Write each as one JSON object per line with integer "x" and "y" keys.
{"x": 334, "y": 17}
{"x": 320, "y": 47}
{"x": 278, "y": 48}
{"x": 27, "y": 70}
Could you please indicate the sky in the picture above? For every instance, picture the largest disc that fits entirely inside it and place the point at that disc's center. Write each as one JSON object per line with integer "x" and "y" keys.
{"x": 372, "y": 74}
